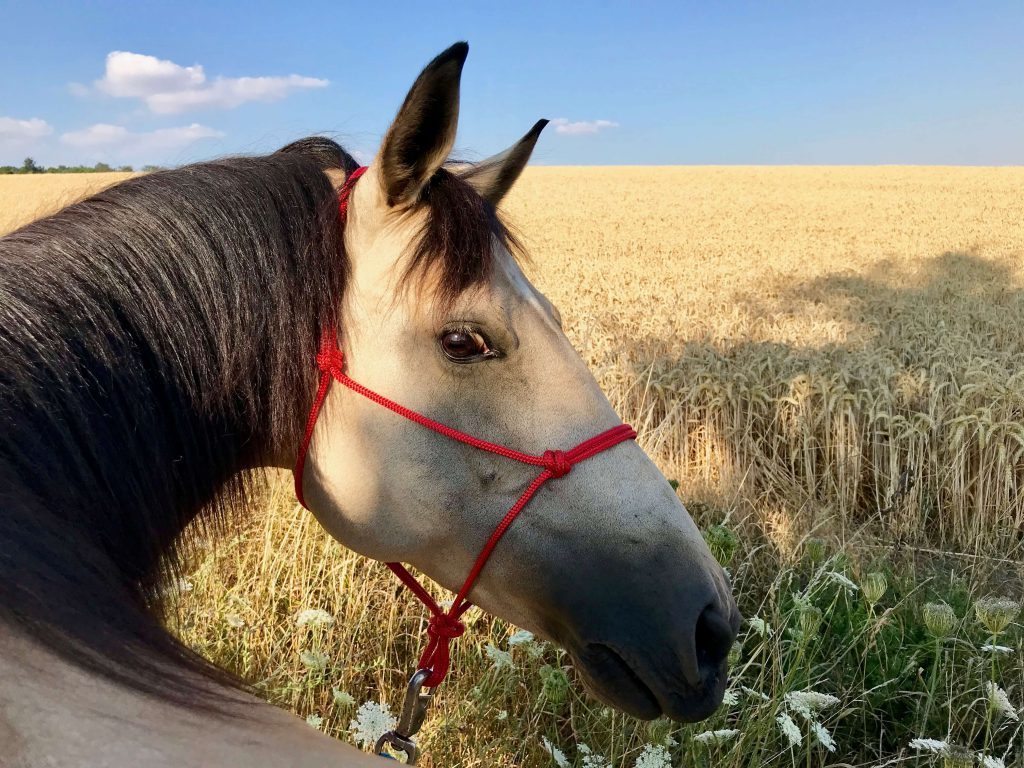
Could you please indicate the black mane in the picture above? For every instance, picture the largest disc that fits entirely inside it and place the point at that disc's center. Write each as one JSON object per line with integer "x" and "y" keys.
{"x": 156, "y": 341}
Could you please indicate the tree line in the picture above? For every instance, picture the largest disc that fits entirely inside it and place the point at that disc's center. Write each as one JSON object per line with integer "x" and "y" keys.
{"x": 31, "y": 166}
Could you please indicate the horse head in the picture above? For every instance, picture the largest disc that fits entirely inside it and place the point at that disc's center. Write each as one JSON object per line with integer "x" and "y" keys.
{"x": 438, "y": 316}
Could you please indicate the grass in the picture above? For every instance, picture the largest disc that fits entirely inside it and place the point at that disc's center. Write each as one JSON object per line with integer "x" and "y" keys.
{"x": 829, "y": 362}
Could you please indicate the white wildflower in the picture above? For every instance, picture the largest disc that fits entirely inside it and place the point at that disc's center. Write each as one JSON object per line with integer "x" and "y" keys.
{"x": 789, "y": 730}
{"x": 596, "y": 761}
{"x": 715, "y": 737}
{"x": 314, "y": 617}
{"x": 760, "y": 626}
{"x": 503, "y": 715}
{"x": 314, "y": 720}
{"x": 1000, "y": 702}
{"x": 653, "y": 756}
{"x": 314, "y": 659}
{"x": 755, "y": 694}
{"x": 990, "y": 648}
{"x": 557, "y": 755}
{"x": 731, "y": 698}
{"x": 842, "y": 581}
{"x": 342, "y": 698}
{"x": 822, "y": 736}
{"x": 535, "y": 650}
{"x": 520, "y": 637}
{"x": 990, "y": 762}
{"x": 372, "y": 721}
{"x": 929, "y": 745}
{"x": 591, "y": 759}
{"x": 499, "y": 659}
{"x": 668, "y": 741}
{"x": 809, "y": 703}
{"x": 234, "y": 621}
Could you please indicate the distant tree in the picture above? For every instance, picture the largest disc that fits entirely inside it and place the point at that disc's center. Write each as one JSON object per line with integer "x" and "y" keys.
{"x": 29, "y": 166}
{"x": 126, "y": 169}
{"x": 151, "y": 168}
{"x": 102, "y": 168}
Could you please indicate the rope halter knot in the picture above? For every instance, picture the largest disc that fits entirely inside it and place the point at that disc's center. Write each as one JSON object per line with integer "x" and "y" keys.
{"x": 557, "y": 463}
{"x": 329, "y": 360}
{"x": 444, "y": 626}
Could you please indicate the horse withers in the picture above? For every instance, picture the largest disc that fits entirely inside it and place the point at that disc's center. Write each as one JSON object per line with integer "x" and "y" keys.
{"x": 158, "y": 341}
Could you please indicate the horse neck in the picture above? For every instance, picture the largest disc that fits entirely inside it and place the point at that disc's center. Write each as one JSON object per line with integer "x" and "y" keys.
{"x": 118, "y": 451}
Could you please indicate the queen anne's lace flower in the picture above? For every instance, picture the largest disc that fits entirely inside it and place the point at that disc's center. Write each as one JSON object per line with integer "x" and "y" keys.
{"x": 341, "y": 698}
{"x": 314, "y": 617}
{"x": 938, "y": 618}
{"x": 986, "y": 761}
{"x": 789, "y": 730}
{"x": 499, "y": 659}
{"x": 715, "y": 737}
{"x": 873, "y": 587}
{"x": 314, "y": 720}
{"x": 996, "y": 613}
{"x": 521, "y": 637}
{"x": 809, "y": 703}
{"x": 314, "y": 660}
{"x": 731, "y": 698}
{"x": 653, "y": 756}
{"x": 556, "y": 754}
{"x": 929, "y": 745}
{"x": 822, "y": 736}
{"x": 591, "y": 759}
{"x": 990, "y": 648}
{"x": 372, "y": 721}
{"x": 760, "y": 626}
{"x": 1000, "y": 702}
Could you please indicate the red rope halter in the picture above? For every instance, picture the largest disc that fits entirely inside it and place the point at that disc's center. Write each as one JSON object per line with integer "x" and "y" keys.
{"x": 444, "y": 626}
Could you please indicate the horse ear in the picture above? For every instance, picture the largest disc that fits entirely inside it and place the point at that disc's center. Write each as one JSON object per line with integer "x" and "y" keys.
{"x": 423, "y": 133}
{"x": 494, "y": 177}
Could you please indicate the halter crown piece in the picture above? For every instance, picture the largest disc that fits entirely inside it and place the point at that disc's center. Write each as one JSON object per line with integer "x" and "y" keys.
{"x": 444, "y": 626}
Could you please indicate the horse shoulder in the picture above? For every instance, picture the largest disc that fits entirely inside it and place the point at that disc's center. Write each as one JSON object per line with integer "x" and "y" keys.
{"x": 56, "y": 715}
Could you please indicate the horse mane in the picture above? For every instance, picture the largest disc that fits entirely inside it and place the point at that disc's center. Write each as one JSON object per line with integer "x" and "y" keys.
{"x": 157, "y": 341}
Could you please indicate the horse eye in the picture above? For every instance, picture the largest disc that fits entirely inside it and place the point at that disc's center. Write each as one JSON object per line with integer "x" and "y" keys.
{"x": 463, "y": 346}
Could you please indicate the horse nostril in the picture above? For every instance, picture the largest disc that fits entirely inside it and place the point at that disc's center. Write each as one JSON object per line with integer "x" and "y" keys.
{"x": 714, "y": 639}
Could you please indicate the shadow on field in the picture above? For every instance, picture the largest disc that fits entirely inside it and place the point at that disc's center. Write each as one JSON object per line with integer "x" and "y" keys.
{"x": 906, "y": 428}
{"x": 974, "y": 302}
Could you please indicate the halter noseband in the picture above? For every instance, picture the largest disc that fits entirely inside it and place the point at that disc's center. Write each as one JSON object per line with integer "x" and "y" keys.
{"x": 444, "y": 626}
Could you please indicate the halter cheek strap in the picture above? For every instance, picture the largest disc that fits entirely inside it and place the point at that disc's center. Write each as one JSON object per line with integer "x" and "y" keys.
{"x": 444, "y": 626}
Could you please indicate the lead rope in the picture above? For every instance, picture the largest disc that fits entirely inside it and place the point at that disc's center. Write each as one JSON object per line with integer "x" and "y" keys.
{"x": 444, "y": 626}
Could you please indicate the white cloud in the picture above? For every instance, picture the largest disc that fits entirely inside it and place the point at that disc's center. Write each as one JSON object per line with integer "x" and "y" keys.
{"x": 104, "y": 139}
{"x": 564, "y": 125}
{"x": 169, "y": 88}
{"x": 20, "y": 132}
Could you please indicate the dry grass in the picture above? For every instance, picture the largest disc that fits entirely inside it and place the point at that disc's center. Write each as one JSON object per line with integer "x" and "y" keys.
{"x": 834, "y": 351}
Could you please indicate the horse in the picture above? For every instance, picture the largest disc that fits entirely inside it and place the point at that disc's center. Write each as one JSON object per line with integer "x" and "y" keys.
{"x": 158, "y": 342}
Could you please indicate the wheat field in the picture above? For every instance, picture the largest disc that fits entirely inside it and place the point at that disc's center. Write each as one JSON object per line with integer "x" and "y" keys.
{"x": 829, "y": 363}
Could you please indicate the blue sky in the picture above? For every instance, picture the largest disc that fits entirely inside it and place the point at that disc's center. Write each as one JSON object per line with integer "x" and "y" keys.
{"x": 651, "y": 83}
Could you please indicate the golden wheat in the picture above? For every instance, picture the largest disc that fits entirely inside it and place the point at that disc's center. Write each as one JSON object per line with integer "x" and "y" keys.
{"x": 826, "y": 350}
{"x": 25, "y": 198}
